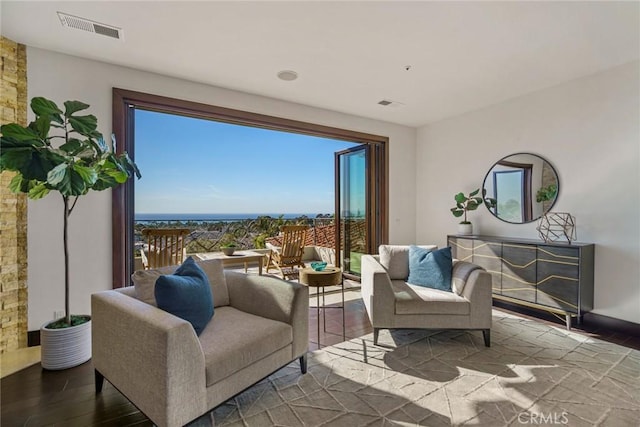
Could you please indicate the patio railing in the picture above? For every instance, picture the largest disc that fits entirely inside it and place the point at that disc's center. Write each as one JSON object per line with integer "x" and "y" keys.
{"x": 210, "y": 235}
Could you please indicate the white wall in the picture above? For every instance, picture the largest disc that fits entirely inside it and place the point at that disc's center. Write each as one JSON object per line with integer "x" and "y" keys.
{"x": 61, "y": 77}
{"x": 589, "y": 130}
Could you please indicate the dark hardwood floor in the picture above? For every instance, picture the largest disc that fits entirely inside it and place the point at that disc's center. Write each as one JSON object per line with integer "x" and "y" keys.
{"x": 35, "y": 397}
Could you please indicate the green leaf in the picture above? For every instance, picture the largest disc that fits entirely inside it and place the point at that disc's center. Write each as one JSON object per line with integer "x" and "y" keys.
{"x": 460, "y": 198}
{"x": 46, "y": 160}
{"x": 114, "y": 163}
{"x": 104, "y": 182}
{"x": 73, "y": 146}
{"x": 18, "y": 133}
{"x": 41, "y": 125}
{"x": 472, "y": 205}
{"x": 119, "y": 176}
{"x": 43, "y": 107}
{"x": 84, "y": 125}
{"x": 456, "y": 212}
{"x": 473, "y": 193}
{"x": 15, "y": 159}
{"x": 38, "y": 191}
{"x": 77, "y": 184}
{"x": 57, "y": 174}
{"x": 102, "y": 144}
{"x": 8, "y": 143}
{"x": 16, "y": 183}
{"x": 111, "y": 166}
{"x": 128, "y": 164}
{"x": 71, "y": 107}
{"x": 88, "y": 154}
{"x": 88, "y": 175}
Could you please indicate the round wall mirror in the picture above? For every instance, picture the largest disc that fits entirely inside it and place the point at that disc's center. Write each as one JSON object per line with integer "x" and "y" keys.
{"x": 525, "y": 186}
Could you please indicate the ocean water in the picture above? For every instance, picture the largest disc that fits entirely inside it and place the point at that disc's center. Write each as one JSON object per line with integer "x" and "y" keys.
{"x": 214, "y": 217}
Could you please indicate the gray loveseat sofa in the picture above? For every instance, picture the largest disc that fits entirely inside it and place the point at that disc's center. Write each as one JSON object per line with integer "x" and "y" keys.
{"x": 392, "y": 303}
{"x": 173, "y": 376}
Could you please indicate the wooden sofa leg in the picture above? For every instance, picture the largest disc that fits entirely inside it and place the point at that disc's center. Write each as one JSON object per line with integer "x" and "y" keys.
{"x": 99, "y": 381}
{"x": 303, "y": 363}
{"x": 376, "y": 332}
{"x": 486, "y": 334}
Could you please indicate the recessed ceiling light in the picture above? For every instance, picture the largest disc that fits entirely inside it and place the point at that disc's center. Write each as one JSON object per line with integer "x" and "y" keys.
{"x": 287, "y": 75}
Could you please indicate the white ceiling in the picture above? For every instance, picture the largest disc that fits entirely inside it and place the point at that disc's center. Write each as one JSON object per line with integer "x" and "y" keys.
{"x": 350, "y": 55}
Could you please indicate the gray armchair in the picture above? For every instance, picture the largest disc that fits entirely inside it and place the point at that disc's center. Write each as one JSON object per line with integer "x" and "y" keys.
{"x": 172, "y": 375}
{"x": 392, "y": 303}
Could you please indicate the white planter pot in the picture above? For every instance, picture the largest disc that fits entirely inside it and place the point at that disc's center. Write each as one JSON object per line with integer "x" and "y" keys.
{"x": 65, "y": 348}
{"x": 465, "y": 229}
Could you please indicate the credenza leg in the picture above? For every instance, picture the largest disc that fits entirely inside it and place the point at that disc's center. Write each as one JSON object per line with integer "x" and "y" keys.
{"x": 567, "y": 318}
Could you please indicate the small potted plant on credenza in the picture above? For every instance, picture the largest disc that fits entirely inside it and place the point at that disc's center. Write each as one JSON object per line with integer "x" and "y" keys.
{"x": 468, "y": 203}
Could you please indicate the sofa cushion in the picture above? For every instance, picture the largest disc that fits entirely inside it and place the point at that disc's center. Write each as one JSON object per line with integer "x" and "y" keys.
{"x": 395, "y": 259}
{"x": 413, "y": 299}
{"x": 236, "y": 339}
{"x": 144, "y": 281}
{"x": 186, "y": 294}
{"x": 431, "y": 269}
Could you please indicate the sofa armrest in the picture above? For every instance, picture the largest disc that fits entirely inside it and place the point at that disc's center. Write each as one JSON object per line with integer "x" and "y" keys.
{"x": 377, "y": 292}
{"x": 154, "y": 358}
{"x": 475, "y": 284}
{"x": 274, "y": 299}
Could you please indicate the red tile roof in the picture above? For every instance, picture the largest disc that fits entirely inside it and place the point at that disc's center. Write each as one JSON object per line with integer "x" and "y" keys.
{"x": 322, "y": 235}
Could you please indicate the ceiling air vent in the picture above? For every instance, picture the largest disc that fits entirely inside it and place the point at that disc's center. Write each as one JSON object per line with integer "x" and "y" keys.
{"x": 78, "y": 23}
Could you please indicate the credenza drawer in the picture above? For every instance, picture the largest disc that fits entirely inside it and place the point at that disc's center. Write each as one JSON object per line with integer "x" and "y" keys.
{"x": 555, "y": 277}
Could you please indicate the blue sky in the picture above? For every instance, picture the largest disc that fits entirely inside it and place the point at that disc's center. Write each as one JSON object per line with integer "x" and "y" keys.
{"x": 199, "y": 166}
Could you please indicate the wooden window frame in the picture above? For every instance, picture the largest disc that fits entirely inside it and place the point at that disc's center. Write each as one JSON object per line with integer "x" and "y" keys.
{"x": 123, "y": 196}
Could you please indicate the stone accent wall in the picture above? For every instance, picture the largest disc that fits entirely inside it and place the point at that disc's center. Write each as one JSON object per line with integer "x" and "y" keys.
{"x": 13, "y": 207}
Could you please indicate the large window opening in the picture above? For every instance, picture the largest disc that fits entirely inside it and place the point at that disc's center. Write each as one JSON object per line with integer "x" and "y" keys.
{"x": 237, "y": 177}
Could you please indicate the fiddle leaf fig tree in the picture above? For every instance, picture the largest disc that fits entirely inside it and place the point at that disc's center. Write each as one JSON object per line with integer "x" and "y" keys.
{"x": 470, "y": 203}
{"x": 61, "y": 151}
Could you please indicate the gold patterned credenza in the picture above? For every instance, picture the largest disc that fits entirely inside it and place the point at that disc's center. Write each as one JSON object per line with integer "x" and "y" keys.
{"x": 555, "y": 277}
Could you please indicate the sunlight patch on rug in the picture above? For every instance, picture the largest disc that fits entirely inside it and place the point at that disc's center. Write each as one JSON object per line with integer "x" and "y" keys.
{"x": 432, "y": 378}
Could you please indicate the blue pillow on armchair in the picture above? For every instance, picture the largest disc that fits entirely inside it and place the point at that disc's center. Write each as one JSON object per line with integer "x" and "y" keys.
{"x": 186, "y": 293}
{"x": 431, "y": 269}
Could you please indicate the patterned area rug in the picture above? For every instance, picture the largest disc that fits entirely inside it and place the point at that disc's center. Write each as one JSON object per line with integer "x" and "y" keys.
{"x": 533, "y": 374}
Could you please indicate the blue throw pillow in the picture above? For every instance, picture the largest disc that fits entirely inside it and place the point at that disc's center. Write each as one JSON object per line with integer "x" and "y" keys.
{"x": 186, "y": 293}
{"x": 431, "y": 269}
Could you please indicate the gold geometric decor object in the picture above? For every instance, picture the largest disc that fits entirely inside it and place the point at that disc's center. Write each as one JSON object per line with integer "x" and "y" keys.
{"x": 553, "y": 226}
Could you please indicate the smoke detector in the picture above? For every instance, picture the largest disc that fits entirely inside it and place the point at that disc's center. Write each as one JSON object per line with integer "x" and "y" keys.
{"x": 84, "y": 24}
